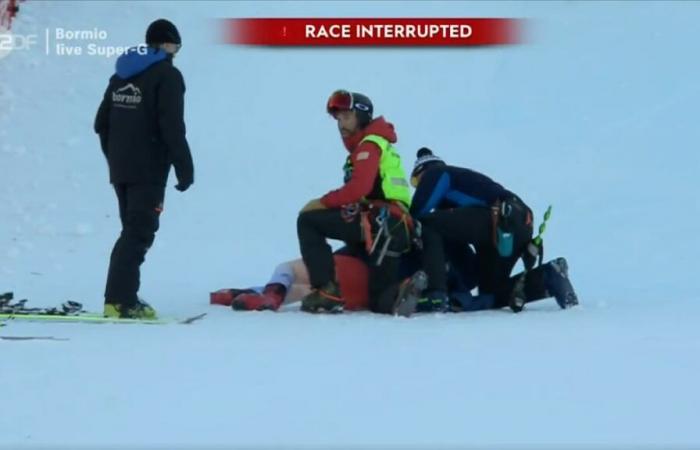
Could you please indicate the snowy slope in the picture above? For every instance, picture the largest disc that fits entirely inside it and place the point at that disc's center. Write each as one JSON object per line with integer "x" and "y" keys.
{"x": 596, "y": 115}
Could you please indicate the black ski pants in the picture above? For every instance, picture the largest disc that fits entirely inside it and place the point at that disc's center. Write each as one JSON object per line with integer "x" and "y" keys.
{"x": 140, "y": 206}
{"x": 456, "y": 229}
{"x": 315, "y": 227}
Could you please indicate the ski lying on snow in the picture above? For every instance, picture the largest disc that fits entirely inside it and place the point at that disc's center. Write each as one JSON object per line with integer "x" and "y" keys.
{"x": 32, "y": 338}
{"x": 94, "y": 318}
{"x": 69, "y": 311}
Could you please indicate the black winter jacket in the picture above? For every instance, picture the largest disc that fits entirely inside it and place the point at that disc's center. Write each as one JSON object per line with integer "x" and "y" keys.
{"x": 141, "y": 120}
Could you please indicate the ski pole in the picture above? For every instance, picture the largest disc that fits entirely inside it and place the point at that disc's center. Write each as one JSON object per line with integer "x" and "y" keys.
{"x": 517, "y": 300}
{"x": 543, "y": 226}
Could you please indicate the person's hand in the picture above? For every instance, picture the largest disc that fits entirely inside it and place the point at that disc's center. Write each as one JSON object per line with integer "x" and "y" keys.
{"x": 312, "y": 205}
{"x": 182, "y": 186}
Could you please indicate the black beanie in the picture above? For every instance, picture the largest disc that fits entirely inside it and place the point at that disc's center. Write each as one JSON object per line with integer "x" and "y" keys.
{"x": 425, "y": 159}
{"x": 162, "y": 31}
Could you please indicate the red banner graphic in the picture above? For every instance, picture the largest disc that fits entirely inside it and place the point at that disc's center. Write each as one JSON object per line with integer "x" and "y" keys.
{"x": 373, "y": 31}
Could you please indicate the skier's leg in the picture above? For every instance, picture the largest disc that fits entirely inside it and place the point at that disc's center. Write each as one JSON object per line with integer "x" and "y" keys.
{"x": 301, "y": 274}
{"x": 279, "y": 288}
{"x": 297, "y": 292}
{"x": 302, "y": 285}
{"x": 351, "y": 273}
{"x": 281, "y": 281}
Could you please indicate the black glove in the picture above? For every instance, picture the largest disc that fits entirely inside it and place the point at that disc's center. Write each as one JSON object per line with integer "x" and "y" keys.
{"x": 183, "y": 186}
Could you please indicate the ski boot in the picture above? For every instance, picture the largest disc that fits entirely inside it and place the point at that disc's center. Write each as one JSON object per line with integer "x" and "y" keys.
{"x": 6, "y": 298}
{"x": 434, "y": 301}
{"x": 140, "y": 310}
{"x": 558, "y": 285}
{"x": 270, "y": 299}
{"x": 326, "y": 299}
{"x": 224, "y": 297}
{"x": 410, "y": 294}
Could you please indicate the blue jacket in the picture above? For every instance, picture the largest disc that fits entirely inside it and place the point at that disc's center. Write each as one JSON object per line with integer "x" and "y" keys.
{"x": 136, "y": 60}
{"x": 445, "y": 187}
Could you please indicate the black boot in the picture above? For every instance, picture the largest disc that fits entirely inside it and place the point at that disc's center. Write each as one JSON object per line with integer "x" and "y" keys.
{"x": 558, "y": 285}
{"x": 548, "y": 280}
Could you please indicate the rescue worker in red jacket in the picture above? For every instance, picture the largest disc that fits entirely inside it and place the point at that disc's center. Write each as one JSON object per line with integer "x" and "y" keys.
{"x": 369, "y": 213}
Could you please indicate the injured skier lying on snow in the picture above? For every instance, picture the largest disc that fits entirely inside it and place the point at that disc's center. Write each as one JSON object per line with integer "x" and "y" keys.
{"x": 290, "y": 282}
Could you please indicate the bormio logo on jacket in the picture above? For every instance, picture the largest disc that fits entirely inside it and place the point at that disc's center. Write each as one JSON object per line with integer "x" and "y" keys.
{"x": 128, "y": 96}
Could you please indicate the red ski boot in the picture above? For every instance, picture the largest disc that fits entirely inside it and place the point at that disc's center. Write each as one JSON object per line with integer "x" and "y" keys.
{"x": 271, "y": 298}
{"x": 225, "y": 297}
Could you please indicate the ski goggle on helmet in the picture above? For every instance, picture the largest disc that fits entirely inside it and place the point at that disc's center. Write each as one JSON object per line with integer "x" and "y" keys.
{"x": 343, "y": 100}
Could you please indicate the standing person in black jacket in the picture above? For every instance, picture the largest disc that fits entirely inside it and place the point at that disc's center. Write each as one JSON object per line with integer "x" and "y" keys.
{"x": 142, "y": 133}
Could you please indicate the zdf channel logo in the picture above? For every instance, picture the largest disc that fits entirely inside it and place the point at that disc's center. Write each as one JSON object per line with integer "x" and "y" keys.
{"x": 10, "y": 41}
